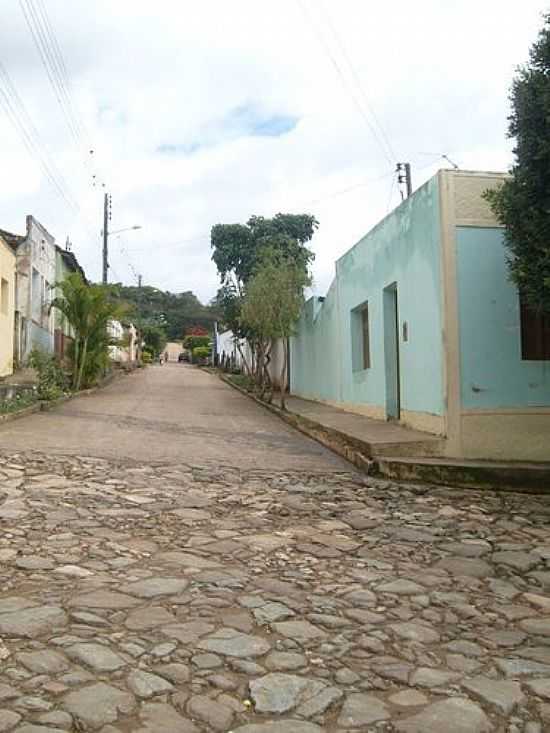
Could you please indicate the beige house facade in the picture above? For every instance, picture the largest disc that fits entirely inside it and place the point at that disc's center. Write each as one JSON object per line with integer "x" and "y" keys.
{"x": 7, "y": 306}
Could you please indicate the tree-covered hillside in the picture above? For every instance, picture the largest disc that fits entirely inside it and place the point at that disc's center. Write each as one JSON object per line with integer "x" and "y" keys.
{"x": 176, "y": 313}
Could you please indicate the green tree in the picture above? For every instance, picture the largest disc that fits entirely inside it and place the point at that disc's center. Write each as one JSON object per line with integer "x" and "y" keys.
{"x": 238, "y": 250}
{"x": 88, "y": 309}
{"x": 522, "y": 203}
{"x": 154, "y": 337}
{"x": 273, "y": 302}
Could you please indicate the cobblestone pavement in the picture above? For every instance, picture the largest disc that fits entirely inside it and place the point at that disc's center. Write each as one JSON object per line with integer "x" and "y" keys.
{"x": 173, "y": 598}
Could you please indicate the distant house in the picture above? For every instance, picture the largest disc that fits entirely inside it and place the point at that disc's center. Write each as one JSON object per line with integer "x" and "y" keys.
{"x": 124, "y": 348}
{"x": 422, "y": 325}
{"x": 35, "y": 276}
{"x": 65, "y": 264}
{"x": 7, "y": 305}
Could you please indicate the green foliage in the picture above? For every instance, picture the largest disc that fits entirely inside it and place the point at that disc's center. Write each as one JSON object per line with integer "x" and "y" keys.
{"x": 522, "y": 203}
{"x": 273, "y": 302}
{"x": 52, "y": 380}
{"x": 194, "y": 342}
{"x": 175, "y": 313}
{"x": 154, "y": 337}
{"x": 238, "y": 251}
{"x": 146, "y": 357}
{"x": 201, "y": 352}
{"x": 88, "y": 309}
{"x": 19, "y": 402}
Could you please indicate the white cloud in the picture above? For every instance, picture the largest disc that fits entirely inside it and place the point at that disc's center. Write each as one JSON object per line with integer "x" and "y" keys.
{"x": 168, "y": 73}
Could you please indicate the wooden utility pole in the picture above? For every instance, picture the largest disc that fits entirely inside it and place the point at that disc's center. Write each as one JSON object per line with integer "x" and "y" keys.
{"x": 406, "y": 179}
{"x": 105, "y": 238}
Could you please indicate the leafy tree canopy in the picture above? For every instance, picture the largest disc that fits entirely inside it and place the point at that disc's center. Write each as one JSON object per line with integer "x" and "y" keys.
{"x": 238, "y": 250}
{"x": 174, "y": 313}
{"x": 522, "y": 203}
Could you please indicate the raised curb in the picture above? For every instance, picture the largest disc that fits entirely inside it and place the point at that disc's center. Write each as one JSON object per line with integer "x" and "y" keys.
{"x": 47, "y": 405}
{"x": 469, "y": 475}
{"x": 345, "y": 447}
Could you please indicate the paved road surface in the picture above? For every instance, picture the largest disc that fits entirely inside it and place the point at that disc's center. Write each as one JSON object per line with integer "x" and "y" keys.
{"x": 174, "y": 560}
{"x": 170, "y": 413}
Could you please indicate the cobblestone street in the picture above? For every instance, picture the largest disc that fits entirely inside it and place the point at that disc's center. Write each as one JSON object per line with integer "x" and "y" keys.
{"x": 188, "y": 595}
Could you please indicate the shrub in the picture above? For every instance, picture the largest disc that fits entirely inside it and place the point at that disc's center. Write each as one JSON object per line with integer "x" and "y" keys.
{"x": 194, "y": 342}
{"x": 146, "y": 357}
{"x": 52, "y": 380}
{"x": 201, "y": 352}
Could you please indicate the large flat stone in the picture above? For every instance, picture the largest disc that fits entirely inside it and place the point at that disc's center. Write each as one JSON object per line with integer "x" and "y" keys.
{"x": 96, "y": 656}
{"x": 97, "y": 705}
{"x": 362, "y": 709}
{"x": 282, "y": 726}
{"x": 153, "y": 587}
{"x": 278, "y": 693}
{"x": 232, "y": 643}
{"x": 413, "y": 631}
{"x": 186, "y": 560}
{"x": 46, "y": 661}
{"x": 15, "y": 603}
{"x": 300, "y": 631}
{"x": 104, "y": 599}
{"x": 454, "y": 715}
{"x": 144, "y": 684}
{"x": 401, "y": 587}
{"x": 158, "y": 717}
{"x": 538, "y": 626}
{"x": 502, "y": 695}
{"x": 32, "y": 622}
{"x": 473, "y": 568}
{"x": 148, "y": 618}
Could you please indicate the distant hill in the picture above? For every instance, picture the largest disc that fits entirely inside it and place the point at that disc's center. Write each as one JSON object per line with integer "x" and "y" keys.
{"x": 175, "y": 312}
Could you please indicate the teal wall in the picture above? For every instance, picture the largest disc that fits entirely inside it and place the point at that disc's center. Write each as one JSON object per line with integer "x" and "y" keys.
{"x": 493, "y": 374}
{"x": 404, "y": 248}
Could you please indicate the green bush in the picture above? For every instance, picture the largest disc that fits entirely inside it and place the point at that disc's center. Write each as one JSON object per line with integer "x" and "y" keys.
{"x": 146, "y": 357}
{"x": 52, "y": 380}
{"x": 201, "y": 352}
{"x": 19, "y": 402}
{"x": 195, "y": 342}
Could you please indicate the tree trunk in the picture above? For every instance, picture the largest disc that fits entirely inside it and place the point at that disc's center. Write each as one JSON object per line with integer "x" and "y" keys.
{"x": 284, "y": 374}
{"x": 243, "y": 357}
{"x": 76, "y": 358}
{"x": 82, "y": 363}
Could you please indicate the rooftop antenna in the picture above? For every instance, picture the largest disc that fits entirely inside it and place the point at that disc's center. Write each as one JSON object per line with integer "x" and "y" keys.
{"x": 446, "y": 157}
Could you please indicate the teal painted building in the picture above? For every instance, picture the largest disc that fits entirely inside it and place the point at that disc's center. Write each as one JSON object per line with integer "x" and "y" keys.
{"x": 422, "y": 325}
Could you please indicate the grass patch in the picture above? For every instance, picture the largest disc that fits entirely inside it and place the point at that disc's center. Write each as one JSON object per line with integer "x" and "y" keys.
{"x": 17, "y": 403}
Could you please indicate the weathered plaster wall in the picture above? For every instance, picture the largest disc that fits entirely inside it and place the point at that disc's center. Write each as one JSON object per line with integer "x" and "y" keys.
{"x": 403, "y": 249}
{"x": 493, "y": 374}
{"x": 36, "y": 253}
{"x": 7, "y": 307}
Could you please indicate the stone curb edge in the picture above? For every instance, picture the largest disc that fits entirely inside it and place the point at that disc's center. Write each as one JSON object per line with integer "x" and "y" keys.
{"x": 331, "y": 439}
{"x": 47, "y": 405}
{"x": 484, "y": 477}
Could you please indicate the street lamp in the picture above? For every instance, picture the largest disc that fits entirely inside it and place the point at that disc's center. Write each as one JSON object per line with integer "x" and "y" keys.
{"x": 106, "y": 235}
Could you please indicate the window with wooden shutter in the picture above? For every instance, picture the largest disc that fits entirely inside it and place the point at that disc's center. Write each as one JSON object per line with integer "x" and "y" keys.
{"x": 535, "y": 333}
{"x": 366, "y": 336}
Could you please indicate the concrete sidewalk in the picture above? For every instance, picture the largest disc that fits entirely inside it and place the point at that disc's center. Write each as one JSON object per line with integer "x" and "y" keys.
{"x": 376, "y": 437}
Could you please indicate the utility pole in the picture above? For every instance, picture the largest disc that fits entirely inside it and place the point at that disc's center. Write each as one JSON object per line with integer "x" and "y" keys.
{"x": 105, "y": 238}
{"x": 405, "y": 178}
{"x": 139, "y": 281}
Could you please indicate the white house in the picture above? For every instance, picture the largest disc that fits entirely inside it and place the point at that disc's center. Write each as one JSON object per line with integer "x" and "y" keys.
{"x": 35, "y": 276}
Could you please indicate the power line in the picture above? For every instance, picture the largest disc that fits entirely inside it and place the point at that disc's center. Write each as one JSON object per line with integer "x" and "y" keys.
{"x": 24, "y": 126}
{"x": 345, "y": 83}
{"x": 51, "y": 56}
{"x": 359, "y": 85}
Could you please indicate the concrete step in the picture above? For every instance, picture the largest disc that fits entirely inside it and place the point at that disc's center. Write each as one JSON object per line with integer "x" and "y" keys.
{"x": 500, "y": 476}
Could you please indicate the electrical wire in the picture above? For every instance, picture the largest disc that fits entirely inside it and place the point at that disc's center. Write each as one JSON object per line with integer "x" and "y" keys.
{"x": 345, "y": 83}
{"x": 355, "y": 76}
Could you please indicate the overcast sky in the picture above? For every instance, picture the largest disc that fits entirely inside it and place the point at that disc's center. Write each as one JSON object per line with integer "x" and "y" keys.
{"x": 208, "y": 112}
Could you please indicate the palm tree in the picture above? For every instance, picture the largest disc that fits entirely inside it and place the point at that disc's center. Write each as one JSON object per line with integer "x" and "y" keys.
{"x": 88, "y": 309}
